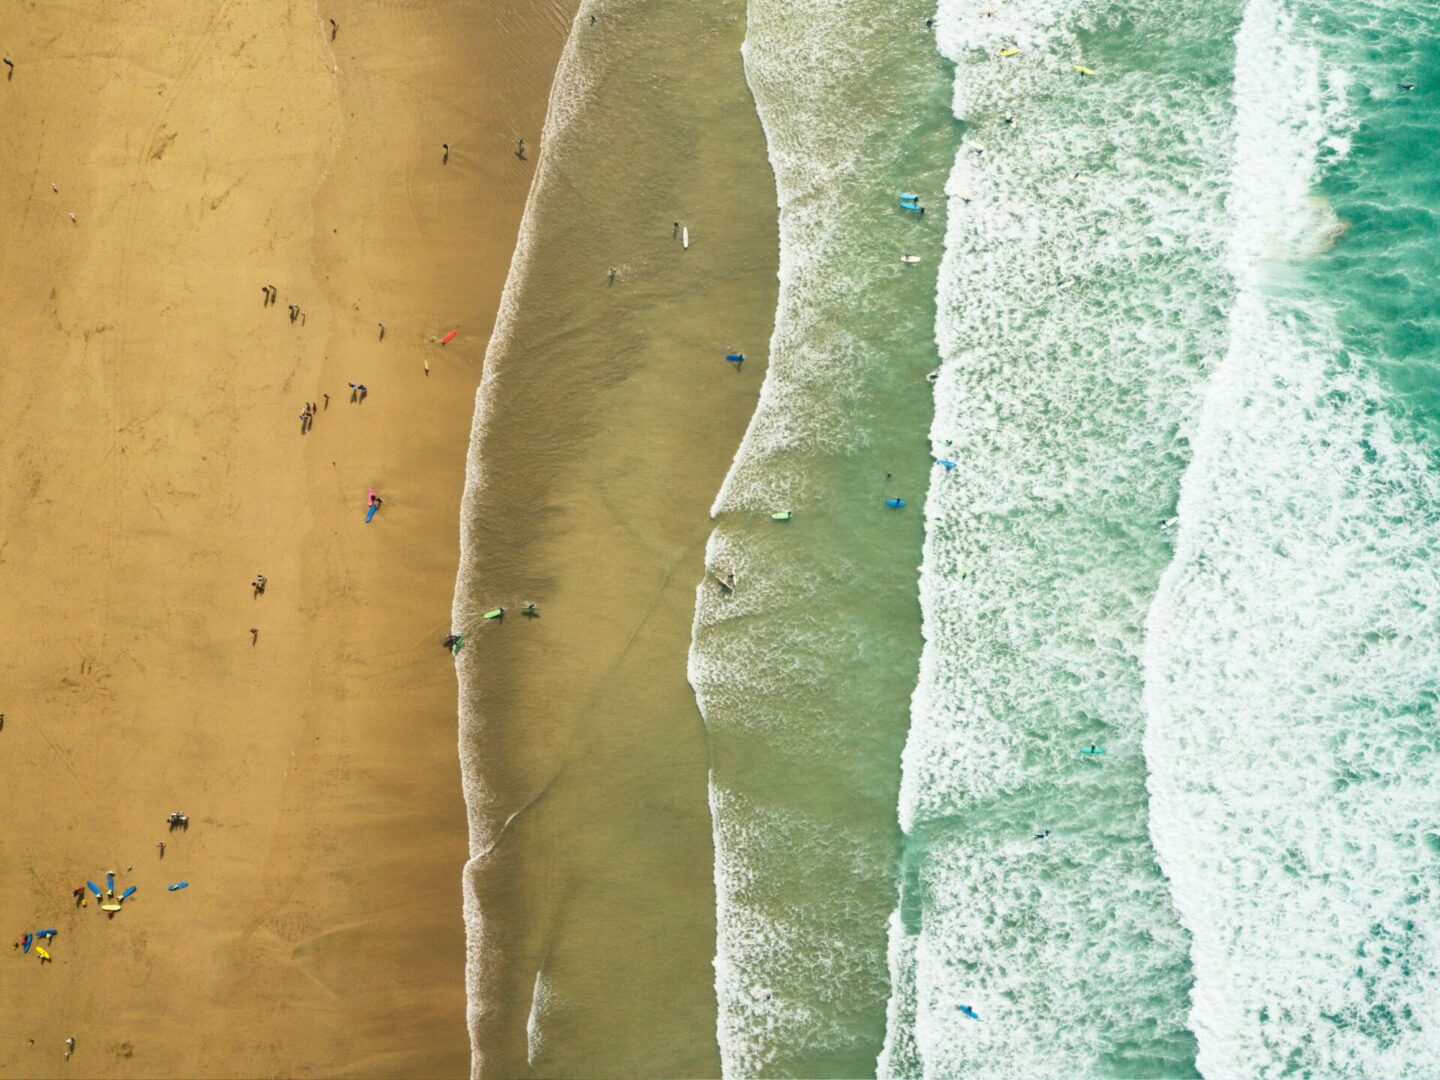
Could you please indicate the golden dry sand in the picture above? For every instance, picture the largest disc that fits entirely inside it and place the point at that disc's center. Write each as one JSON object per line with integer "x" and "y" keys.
{"x": 151, "y": 464}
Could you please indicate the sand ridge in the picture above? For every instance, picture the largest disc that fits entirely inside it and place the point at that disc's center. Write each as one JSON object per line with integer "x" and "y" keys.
{"x": 153, "y": 464}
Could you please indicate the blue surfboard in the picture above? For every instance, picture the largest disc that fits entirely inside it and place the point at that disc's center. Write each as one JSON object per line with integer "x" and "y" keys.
{"x": 371, "y": 512}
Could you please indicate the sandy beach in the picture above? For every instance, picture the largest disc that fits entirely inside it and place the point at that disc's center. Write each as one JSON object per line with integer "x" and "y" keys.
{"x": 154, "y": 464}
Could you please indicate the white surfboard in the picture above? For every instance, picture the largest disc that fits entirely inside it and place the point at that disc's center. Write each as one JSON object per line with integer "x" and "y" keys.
{"x": 685, "y": 237}
{"x": 909, "y": 258}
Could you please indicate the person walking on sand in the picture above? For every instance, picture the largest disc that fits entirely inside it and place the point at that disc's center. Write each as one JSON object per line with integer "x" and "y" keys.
{"x": 327, "y": 400}
{"x": 294, "y": 312}
{"x": 445, "y": 160}
{"x": 305, "y": 420}
{"x": 160, "y": 847}
{"x": 334, "y": 29}
{"x": 520, "y": 149}
{"x": 612, "y": 275}
{"x": 10, "y": 65}
{"x": 258, "y": 584}
{"x": 382, "y": 331}
{"x": 254, "y": 634}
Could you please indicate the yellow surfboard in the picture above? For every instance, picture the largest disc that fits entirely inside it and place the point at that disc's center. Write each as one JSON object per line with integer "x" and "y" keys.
{"x": 110, "y": 907}
{"x": 1083, "y": 70}
{"x": 1011, "y": 51}
{"x": 40, "y": 952}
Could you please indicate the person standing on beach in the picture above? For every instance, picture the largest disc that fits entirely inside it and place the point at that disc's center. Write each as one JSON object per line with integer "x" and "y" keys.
{"x": 382, "y": 331}
{"x": 254, "y": 634}
{"x": 334, "y": 29}
{"x": 446, "y": 159}
{"x": 520, "y": 149}
{"x": 327, "y": 400}
{"x": 612, "y": 275}
{"x": 10, "y": 72}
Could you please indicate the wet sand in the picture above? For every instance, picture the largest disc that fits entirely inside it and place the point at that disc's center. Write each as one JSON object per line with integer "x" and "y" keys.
{"x": 152, "y": 465}
{"x": 612, "y": 418}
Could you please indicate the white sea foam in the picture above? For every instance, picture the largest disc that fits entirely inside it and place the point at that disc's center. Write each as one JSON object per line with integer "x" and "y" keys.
{"x": 1078, "y": 314}
{"x": 1291, "y": 651}
{"x": 572, "y": 86}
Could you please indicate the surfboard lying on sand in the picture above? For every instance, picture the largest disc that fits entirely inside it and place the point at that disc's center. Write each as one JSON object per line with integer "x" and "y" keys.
{"x": 685, "y": 237}
{"x": 370, "y": 513}
{"x": 177, "y": 885}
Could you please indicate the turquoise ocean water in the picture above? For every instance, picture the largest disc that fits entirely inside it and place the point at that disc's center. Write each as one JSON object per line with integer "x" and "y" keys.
{"x": 1180, "y": 318}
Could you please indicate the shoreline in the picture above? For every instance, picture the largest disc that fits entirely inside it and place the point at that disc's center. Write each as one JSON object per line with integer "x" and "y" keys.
{"x": 146, "y": 419}
{"x": 592, "y": 865}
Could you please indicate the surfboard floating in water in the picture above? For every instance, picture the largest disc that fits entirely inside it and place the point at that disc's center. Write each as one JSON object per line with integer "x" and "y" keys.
{"x": 968, "y": 1011}
{"x": 449, "y": 337}
{"x": 1010, "y": 51}
{"x": 1096, "y": 750}
{"x": 734, "y": 357}
{"x": 1082, "y": 69}
{"x": 908, "y": 258}
{"x": 780, "y": 515}
{"x": 895, "y": 504}
{"x": 495, "y": 614}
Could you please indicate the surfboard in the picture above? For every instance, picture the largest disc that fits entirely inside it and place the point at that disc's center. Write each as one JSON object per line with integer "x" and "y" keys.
{"x": 26, "y": 942}
{"x": 910, "y": 258}
{"x": 112, "y": 906}
{"x": 968, "y": 1011}
{"x": 449, "y": 337}
{"x": 735, "y": 358}
{"x": 177, "y": 885}
{"x": 1096, "y": 750}
{"x": 41, "y": 953}
{"x": 128, "y": 893}
{"x": 685, "y": 237}
{"x": 370, "y": 513}
{"x": 780, "y": 515}
{"x": 1011, "y": 51}
{"x": 1082, "y": 69}
{"x": 94, "y": 888}
{"x": 895, "y": 504}
{"x": 495, "y": 614}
